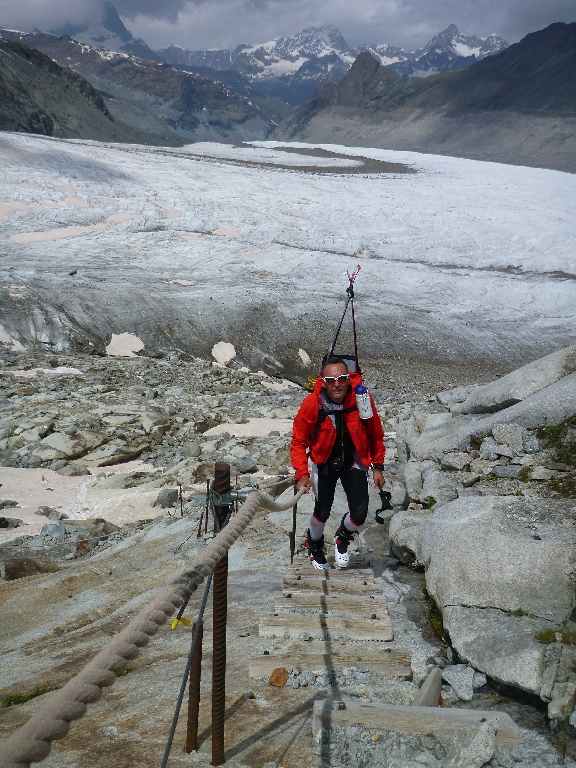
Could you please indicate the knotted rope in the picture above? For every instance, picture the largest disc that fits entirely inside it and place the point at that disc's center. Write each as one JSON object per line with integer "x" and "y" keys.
{"x": 32, "y": 742}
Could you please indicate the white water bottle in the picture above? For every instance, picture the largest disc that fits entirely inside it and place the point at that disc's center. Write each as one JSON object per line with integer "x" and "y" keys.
{"x": 363, "y": 402}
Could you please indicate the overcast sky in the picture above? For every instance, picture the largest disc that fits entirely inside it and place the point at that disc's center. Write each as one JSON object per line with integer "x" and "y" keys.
{"x": 197, "y": 24}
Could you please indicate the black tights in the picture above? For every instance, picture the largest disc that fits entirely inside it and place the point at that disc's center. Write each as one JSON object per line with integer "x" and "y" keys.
{"x": 355, "y": 485}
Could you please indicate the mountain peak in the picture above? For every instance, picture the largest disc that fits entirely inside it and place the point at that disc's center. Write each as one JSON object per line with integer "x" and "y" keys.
{"x": 112, "y": 22}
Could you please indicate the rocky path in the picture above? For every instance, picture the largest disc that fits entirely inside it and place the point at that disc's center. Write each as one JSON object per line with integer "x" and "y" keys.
{"x": 96, "y": 560}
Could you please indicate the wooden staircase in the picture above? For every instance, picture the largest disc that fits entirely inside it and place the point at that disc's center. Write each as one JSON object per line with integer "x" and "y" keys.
{"x": 336, "y": 606}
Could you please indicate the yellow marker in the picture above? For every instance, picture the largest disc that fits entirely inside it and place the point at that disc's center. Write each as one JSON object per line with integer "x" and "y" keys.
{"x": 184, "y": 621}
{"x": 310, "y": 383}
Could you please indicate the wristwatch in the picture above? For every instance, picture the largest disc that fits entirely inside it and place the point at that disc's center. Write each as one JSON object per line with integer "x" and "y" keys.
{"x": 378, "y": 466}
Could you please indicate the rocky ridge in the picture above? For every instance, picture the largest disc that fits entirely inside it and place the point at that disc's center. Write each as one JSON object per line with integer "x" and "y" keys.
{"x": 291, "y": 68}
{"x": 39, "y": 96}
{"x": 151, "y": 101}
{"x": 480, "y": 112}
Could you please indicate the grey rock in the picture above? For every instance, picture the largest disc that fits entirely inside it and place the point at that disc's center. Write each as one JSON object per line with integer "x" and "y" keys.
{"x": 470, "y": 479}
{"x": 510, "y": 470}
{"x": 482, "y": 564}
{"x": 479, "y": 680}
{"x": 503, "y": 757}
{"x": 572, "y": 719}
{"x": 307, "y": 677}
{"x": 551, "y": 405}
{"x": 8, "y": 504}
{"x": 511, "y": 435}
{"x": 167, "y": 497}
{"x": 10, "y": 522}
{"x": 532, "y": 444}
{"x": 465, "y": 492}
{"x": 435, "y": 485}
{"x": 455, "y": 461}
{"x": 397, "y": 488}
{"x": 60, "y": 446}
{"x": 503, "y": 565}
{"x": 563, "y": 699}
{"x": 460, "y": 677}
{"x": 458, "y": 395}
{"x": 541, "y": 473}
{"x": 476, "y": 748}
{"x": 406, "y": 530}
{"x": 518, "y": 385}
{"x": 489, "y": 447}
{"x": 245, "y": 465}
{"x": 54, "y": 531}
{"x": 502, "y": 646}
{"x": 413, "y": 480}
{"x": 191, "y": 449}
{"x": 73, "y": 470}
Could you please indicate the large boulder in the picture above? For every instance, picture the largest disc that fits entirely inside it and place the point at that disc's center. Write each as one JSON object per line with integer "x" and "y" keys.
{"x": 501, "y": 570}
{"x": 59, "y": 445}
{"x": 550, "y": 405}
{"x": 517, "y": 385}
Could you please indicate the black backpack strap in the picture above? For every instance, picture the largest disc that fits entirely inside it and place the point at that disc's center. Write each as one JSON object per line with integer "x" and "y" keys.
{"x": 322, "y": 414}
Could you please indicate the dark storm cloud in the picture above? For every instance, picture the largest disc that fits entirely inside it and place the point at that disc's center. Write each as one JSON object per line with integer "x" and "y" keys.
{"x": 225, "y": 23}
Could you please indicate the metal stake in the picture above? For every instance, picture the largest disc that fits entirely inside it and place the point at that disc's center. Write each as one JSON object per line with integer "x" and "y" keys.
{"x": 194, "y": 693}
{"x": 220, "y": 607}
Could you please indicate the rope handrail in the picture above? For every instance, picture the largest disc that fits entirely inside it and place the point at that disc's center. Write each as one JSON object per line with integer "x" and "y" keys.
{"x": 31, "y": 743}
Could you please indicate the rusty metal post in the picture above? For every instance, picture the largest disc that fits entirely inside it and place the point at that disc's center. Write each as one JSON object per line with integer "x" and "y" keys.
{"x": 220, "y": 608}
{"x": 194, "y": 693}
{"x": 293, "y": 531}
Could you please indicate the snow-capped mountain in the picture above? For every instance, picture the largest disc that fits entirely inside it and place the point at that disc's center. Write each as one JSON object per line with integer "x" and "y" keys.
{"x": 291, "y": 68}
{"x": 106, "y": 30}
{"x": 447, "y": 51}
{"x": 276, "y": 58}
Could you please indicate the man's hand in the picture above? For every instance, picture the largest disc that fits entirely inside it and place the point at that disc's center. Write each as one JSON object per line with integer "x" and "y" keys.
{"x": 378, "y": 477}
{"x": 305, "y": 483}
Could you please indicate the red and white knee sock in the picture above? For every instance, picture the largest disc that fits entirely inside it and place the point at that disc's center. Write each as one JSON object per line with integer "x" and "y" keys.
{"x": 350, "y": 525}
{"x": 316, "y": 528}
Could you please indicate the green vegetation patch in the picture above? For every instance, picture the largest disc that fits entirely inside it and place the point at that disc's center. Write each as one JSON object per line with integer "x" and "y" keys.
{"x": 434, "y": 615}
{"x": 125, "y": 672}
{"x": 475, "y": 443}
{"x": 561, "y": 439}
{"x": 11, "y": 701}
{"x": 547, "y": 636}
{"x": 519, "y": 612}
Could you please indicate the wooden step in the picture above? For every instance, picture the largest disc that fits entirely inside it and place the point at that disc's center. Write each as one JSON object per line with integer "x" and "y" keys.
{"x": 417, "y": 720}
{"x": 321, "y": 580}
{"x": 387, "y": 662}
{"x": 333, "y": 608}
{"x": 323, "y": 627}
{"x": 333, "y": 603}
{"x": 308, "y": 571}
{"x": 315, "y": 588}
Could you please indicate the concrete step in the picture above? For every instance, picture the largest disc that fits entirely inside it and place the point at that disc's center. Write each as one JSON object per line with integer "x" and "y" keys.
{"x": 418, "y": 720}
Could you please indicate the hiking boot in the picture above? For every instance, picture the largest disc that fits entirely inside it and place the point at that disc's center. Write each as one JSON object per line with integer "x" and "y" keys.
{"x": 316, "y": 553}
{"x": 342, "y": 539}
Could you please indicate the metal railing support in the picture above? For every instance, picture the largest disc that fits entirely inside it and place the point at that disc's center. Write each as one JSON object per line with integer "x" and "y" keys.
{"x": 220, "y": 609}
{"x": 194, "y": 693}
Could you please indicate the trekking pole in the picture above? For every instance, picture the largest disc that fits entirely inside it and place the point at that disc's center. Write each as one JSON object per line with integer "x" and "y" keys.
{"x": 293, "y": 531}
{"x": 350, "y": 298}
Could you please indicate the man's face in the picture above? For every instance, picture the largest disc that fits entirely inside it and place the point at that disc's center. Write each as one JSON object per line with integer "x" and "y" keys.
{"x": 336, "y": 390}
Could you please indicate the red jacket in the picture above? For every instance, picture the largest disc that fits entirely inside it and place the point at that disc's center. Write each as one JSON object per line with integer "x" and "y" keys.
{"x": 367, "y": 434}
